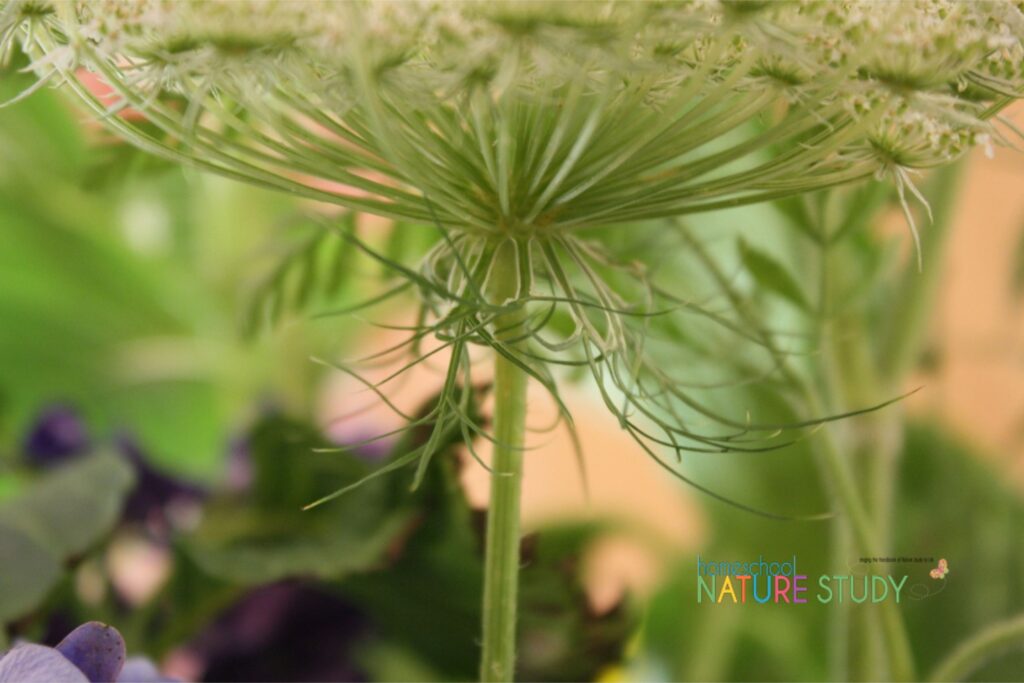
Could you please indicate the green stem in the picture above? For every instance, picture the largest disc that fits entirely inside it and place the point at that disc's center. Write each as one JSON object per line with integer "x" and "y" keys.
{"x": 901, "y": 658}
{"x": 872, "y": 451}
{"x": 867, "y": 376}
{"x": 977, "y": 650}
{"x": 838, "y": 474}
{"x": 501, "y": 563}
{"x": 839, "y": 616}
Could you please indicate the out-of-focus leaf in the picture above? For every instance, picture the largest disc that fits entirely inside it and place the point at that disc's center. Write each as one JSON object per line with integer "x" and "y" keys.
{"x": 798, "y": 212}
{"x": 61, "y": 515}
{"x": 270, "y": 537}
{"x": 28, "y": 572}
{"x": 176, "y": 421}
{"x": 315, "y": 269}
{"x": 772, "y": 275}
{"x": 71, "y": 508}
{"x": 562, "y": 638}
{"x": 953, "y": 505}
{"x": 428, "y": 600}
{"x": 256, "y": 554}
{"x": 38, "y": 128}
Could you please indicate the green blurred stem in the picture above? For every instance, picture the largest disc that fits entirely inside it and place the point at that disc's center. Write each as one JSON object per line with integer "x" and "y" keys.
{"x": 838, "y": 472}
{"x": 867, "y": 530}
{"x": 872, "y": 449}
{"x": 975, "y": 651}
{"x": 501, "y": 563}
{"x": 869, "y": 375}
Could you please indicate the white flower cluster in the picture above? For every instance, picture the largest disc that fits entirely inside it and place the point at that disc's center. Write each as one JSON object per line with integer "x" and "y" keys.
{"x": 533, "y": 113}
{"x": 512, "y": 125}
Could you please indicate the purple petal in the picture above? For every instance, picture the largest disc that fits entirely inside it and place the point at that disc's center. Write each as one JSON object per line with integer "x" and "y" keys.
{"x": 96, "y": 649}
{"x": 58, "y": 434}
{"x": 141, "y": 670}
{"x": 29, "y": 663}
{"x": 287, "y": 631}
{"x": 240, "y": 469}
{"x": 156, "y": 495}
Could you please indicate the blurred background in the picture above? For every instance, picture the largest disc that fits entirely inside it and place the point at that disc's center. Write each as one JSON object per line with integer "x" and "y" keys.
{"x": 161, "y": 411}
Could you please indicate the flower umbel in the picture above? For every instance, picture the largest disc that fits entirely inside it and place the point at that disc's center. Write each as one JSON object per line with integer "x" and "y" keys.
{"x": 525, "y": 117}
{"x": 515, "y": 127}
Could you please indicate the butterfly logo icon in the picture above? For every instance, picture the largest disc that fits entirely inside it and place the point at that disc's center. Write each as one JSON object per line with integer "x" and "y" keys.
{"x": 940, "y": 571}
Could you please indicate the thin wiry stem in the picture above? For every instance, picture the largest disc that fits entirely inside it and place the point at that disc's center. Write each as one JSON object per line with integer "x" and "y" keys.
{"x": 975, "y": 651}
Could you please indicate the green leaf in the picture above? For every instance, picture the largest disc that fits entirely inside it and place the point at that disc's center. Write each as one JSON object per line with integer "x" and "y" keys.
{"x": 70, "y": 509}
{"x": 797, "y": 211}
{"x": 268, "y": 537}
{"x": 428, "y": 600}
{"x": 315, "y": 268}
{"x": 181, "y": 422}
{"x": 40, "y": 127}
{"x": 556, "y": 610}
{"x": 28, "y": 572}
{"x": 771, "y": 275}
{"x": 261, "y": 549}
{"x": 61, "y": 515}
{"x": 958, "y": 503}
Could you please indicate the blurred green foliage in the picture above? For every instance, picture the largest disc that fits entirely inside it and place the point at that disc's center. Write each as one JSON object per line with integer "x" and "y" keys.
{"x": 58, "y": 518}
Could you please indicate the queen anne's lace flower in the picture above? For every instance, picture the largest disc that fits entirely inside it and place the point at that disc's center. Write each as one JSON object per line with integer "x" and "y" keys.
{"x": 513, "y": 126}
{"x": 488, "y": 116}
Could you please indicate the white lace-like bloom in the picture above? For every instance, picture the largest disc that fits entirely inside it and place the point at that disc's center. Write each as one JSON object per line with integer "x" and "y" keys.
{"x": 514, "y": 126}
{"x": 488, "y": 116}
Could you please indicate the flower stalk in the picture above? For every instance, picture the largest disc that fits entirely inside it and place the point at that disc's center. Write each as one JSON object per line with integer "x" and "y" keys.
{"x": 501, "y": 563}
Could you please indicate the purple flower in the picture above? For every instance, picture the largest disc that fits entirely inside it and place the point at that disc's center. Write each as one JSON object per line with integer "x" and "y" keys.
{"x": 286, "y": 631}
{"x": 92, "y": 653}
{"x": 57, "y": 435}
{"x": 29, "y": 663}
{"x": 96, "y": 649}
{"x": 240, "y": 473}
{"x": 156, "y": 496}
